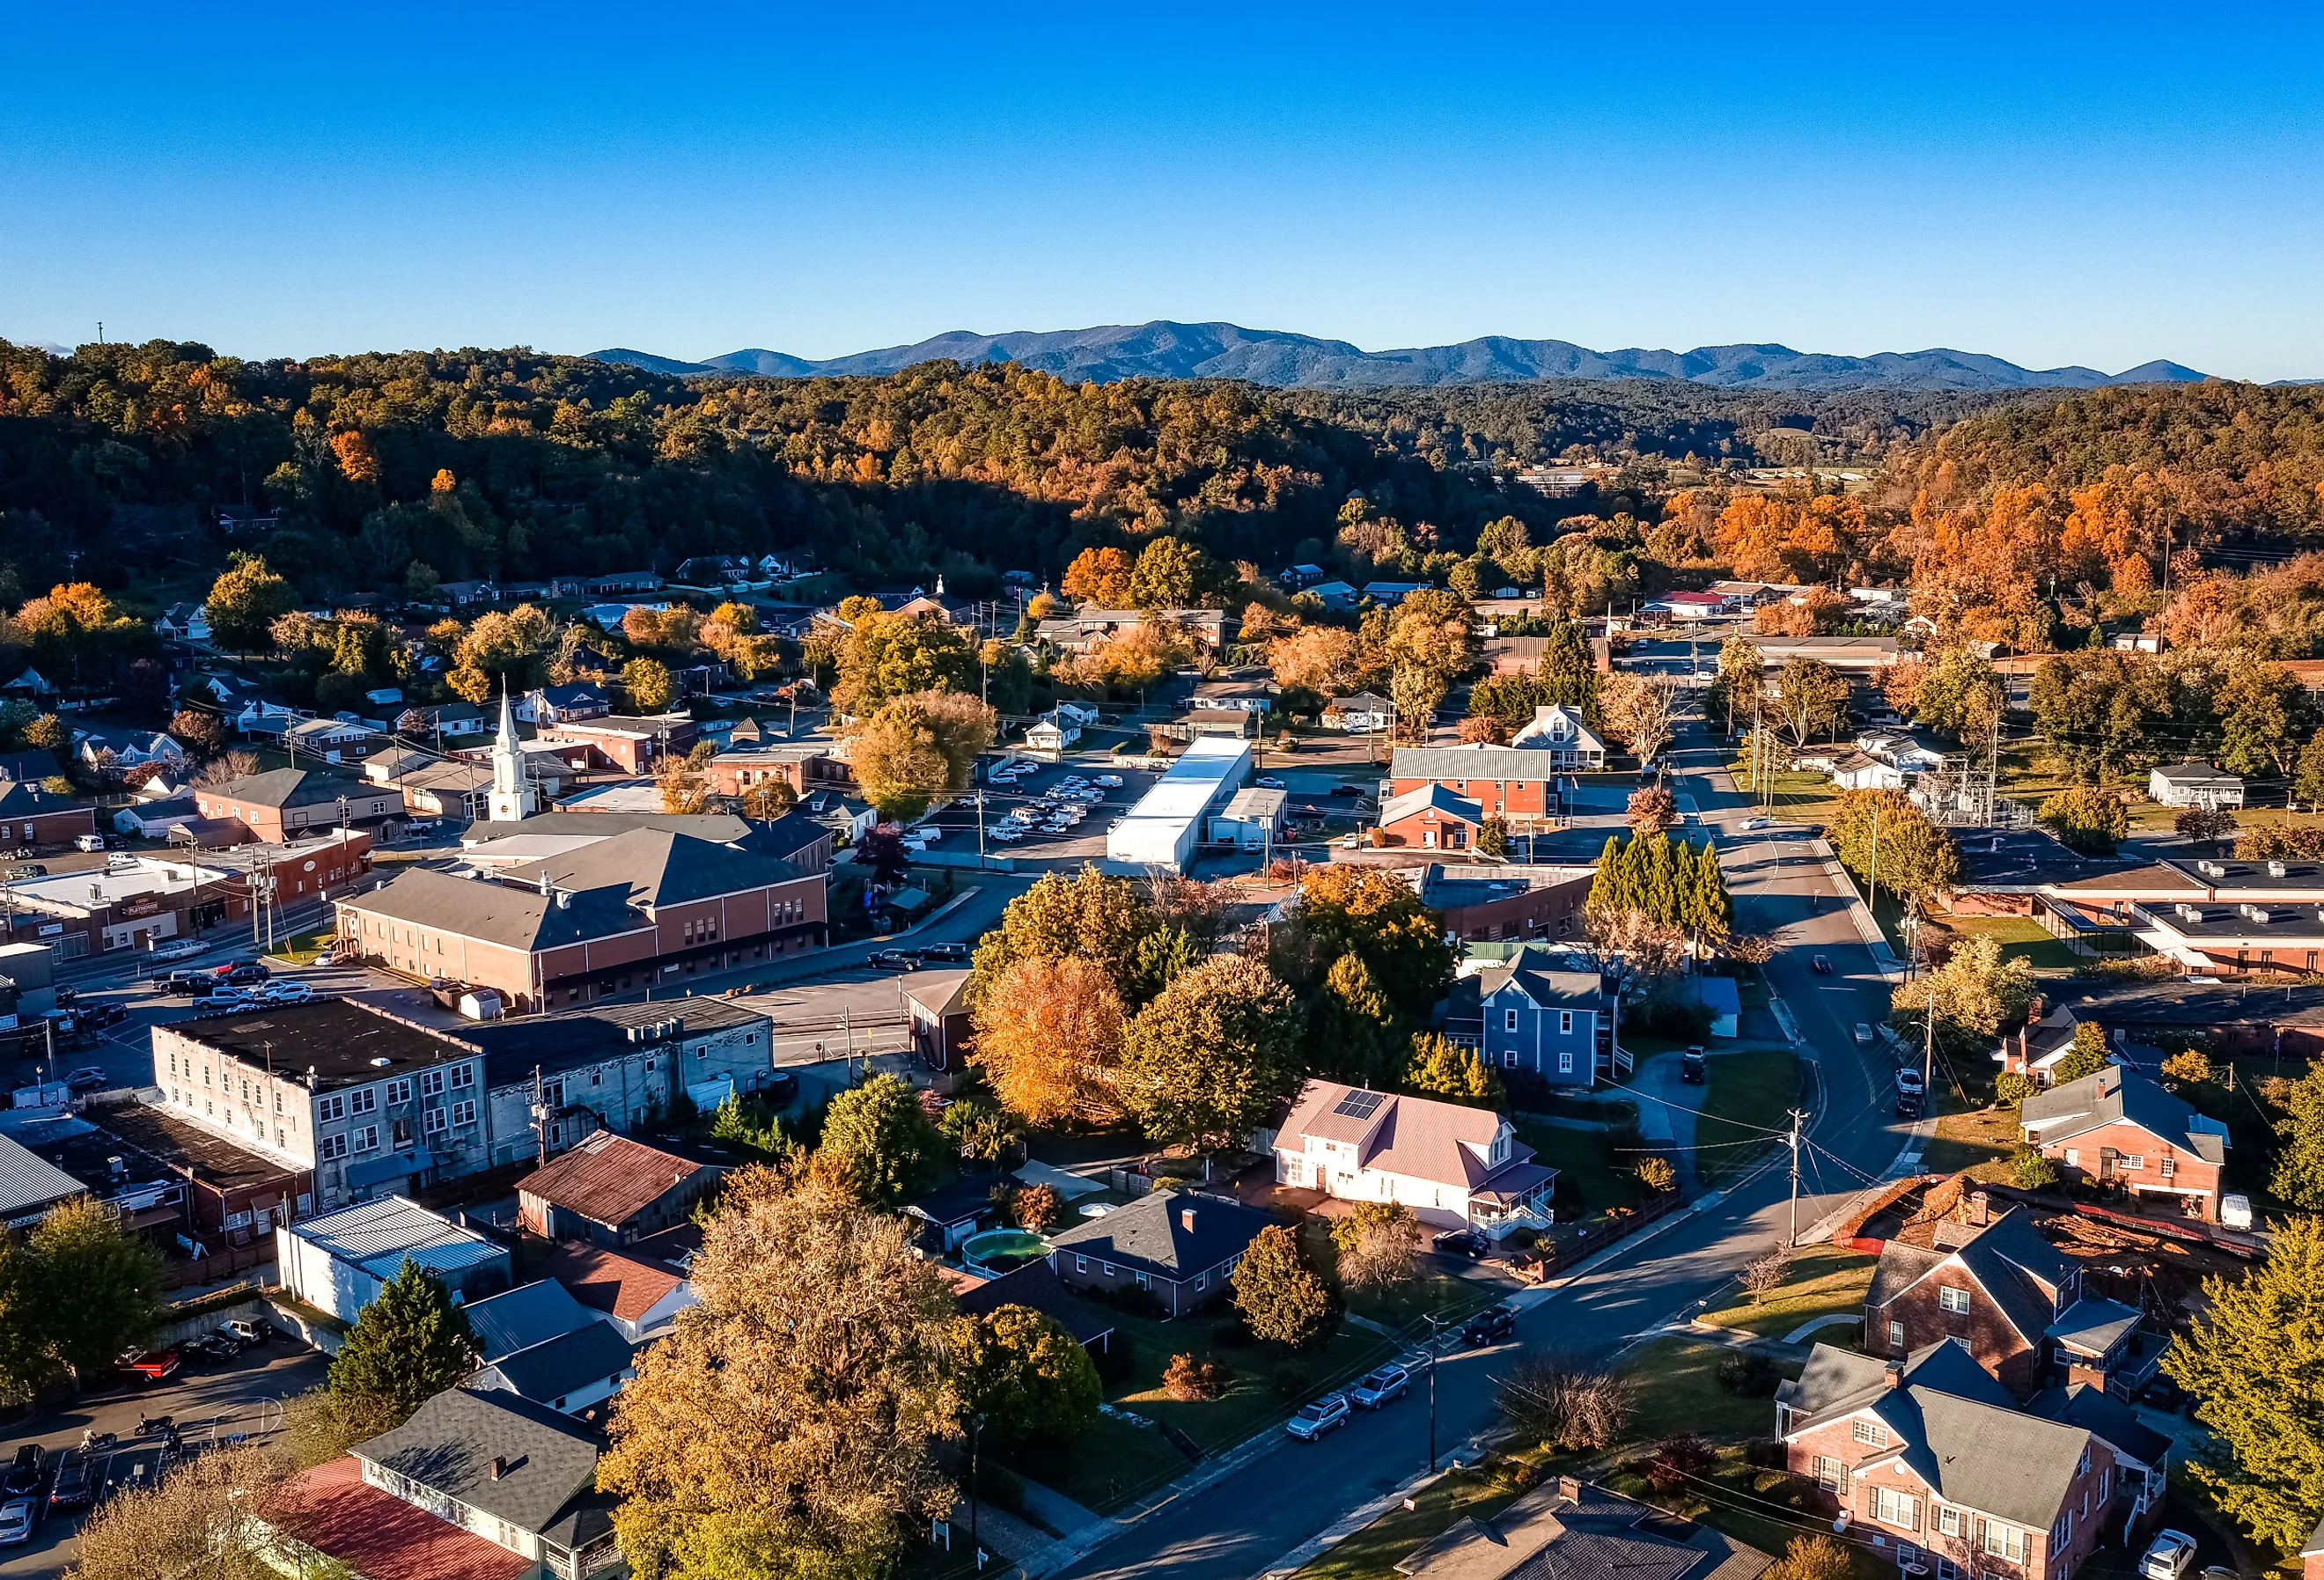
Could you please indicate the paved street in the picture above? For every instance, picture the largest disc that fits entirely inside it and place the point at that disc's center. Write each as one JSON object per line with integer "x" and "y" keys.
{"x": 208, "y": 1403}
{"x": 1240, "y": 1526}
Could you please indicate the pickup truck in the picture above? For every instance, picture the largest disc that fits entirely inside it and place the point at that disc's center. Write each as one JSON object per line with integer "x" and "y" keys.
{"x": 151, "y": 1367}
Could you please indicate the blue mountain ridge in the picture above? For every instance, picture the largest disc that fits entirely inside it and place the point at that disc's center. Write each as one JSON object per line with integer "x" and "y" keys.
{"x": 1163, "y": 349}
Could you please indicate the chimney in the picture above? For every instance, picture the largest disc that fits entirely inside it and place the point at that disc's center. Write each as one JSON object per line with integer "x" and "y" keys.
{"x": 1186, "y": 1219}
{"x": 500, "y": 1468}
{"x": 1980, "y": 1206}
{"x": 1896, "y": 1379}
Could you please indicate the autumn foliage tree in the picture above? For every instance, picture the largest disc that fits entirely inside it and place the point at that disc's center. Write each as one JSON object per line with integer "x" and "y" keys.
{"x": 1048, "y": 1037}
{"x": 1280, "y": 1297}
{"x": 786, "y": 1426}
{"x": 1099, "y": 576}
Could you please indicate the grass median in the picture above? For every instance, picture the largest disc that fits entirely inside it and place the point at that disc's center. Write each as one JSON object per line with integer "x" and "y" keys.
{"x": 1747, "y": 1099}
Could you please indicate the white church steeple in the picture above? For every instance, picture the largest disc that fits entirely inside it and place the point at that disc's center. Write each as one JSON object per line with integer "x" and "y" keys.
{"x": 514, "y": 798}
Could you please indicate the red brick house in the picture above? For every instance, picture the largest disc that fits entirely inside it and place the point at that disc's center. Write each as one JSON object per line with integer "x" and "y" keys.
{"x": 2118, "y": 1127}
{"x": 1928, "y": 1459}
{"x": 1991, "y": 1284}
{"x": 1431, "y": 817}
{"x": 30, "y": 815}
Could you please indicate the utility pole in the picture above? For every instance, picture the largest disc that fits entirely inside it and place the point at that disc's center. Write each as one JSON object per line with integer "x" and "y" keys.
{"x": 1929, "y": 1044}
{"x": 1435, "y": 1323}
{"x": 1872, "y": 901}
{"x": 979, "y": 831}
{"x": 1793, "y": 1241}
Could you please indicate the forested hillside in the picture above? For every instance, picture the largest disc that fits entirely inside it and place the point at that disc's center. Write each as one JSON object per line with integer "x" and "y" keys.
{"x": 115, "y": 463}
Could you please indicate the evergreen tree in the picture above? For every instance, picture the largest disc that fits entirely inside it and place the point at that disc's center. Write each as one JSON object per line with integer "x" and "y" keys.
{"x": 1353, "y": 1032}
{"x": 97, "y": 1289}
{"x": 2256, "y": 1361}
{"x": 1660, "y": 882}
{"x": 2087, "y": 1056}
{"x": 1440, "y": 1067}
{"x": 1712, "y": 911}
{"x": 411, "y": 1343}
{"x": 1605, "y": 887}
{"x": 1279, "y": 1296}
{"x": 885, "y": 1139}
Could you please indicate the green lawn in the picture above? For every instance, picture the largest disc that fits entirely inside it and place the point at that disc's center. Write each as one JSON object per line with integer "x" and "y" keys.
{"x": 1115, "y": 1463}
{"x": 1251, "y": 1401}
{"x": 2021, "y": 939}
{"x": 1822, "y": 1280}
{"x": 1737, "y": 1503}
{"x": 1595, "y": 1160}
{"x": 1678, "y": 1391}
{"x": 302, "y": 950}
{"x": 1798, "y": 796}
{"x": 1748, "y": 1094}
{"x": 1978, "y": 1140}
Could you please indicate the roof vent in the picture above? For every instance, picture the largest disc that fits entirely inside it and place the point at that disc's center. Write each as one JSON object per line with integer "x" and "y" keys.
{"x": 380, "y": 1062}
{"x": 2277, "y": 869}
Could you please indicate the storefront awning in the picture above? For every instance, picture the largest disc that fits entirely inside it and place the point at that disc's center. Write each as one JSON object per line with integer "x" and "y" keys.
{"x": 380, "y": 1170}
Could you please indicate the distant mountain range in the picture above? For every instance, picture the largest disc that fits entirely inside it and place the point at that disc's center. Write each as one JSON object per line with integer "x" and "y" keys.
{"x": 1162, "y": 349}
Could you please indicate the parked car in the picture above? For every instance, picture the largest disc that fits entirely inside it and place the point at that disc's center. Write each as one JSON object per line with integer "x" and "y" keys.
{"x": 1465, "y": 1243}
{"x": 98, "y": 1016}
{"x": 227, "y": 967}
{"x": 15, "y": 1522}
{"x": 1693, "y": 1067}
{"x": 244, "y": 1331}
{"x": 1270, "y": 784}
{"x": 1909, "y": 1105}
{"x": 88, "y": 1078}
{"x": 1863, "y": 1035}
{"x": 953, "y": 952}
{"x": 1316, "y": 1419}
{"x": 781, "y": 1088}
{"x": 285, "y": 992}
{"x": 1378, "y": 1387}
{"x": 1908, "y": 1079}
{"x": 1750, "y": 825}
{"x": 2234, "y": 1211}
{"x": 23, "y": 1477}
{"x": 1823, "y": 966}
{"x": 1346, "y": 789}
{"x": 151, "y": 1366}
{"x": 182, "y": 982}
{"x": 248, "y": 974}
{"x": 894, "y": 959}
{"x": 216, "y": 1347}
{"x": 2168, "y": 1556}
{"x": 220, "y": 999}
{"x": 71, "y": 1487}
{"x": 89, "y": 842}
{"x": 29, "y": 870}
{"x": 1490, "y": 1326}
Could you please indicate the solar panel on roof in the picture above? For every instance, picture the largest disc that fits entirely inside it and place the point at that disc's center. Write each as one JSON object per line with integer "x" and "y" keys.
{"x": 1361, "y": 1105}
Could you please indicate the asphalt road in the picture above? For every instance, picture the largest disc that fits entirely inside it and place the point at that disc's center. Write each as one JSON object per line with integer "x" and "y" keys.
{"x": 209, "y": 1402}
{"x": 1243, "y": 1525}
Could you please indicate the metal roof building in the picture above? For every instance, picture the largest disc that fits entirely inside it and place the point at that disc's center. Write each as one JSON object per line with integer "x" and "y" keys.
{"x": 1161, "y": 829}
{"x": 30, "y": 1187}
{"x": 337, "y": 1263}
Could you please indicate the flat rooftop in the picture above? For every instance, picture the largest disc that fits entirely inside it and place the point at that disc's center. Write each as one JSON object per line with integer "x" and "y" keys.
{"x": 574, "y": 1037}
{"x": 188, "y": 1149}
{"x": 344, "y": 1042}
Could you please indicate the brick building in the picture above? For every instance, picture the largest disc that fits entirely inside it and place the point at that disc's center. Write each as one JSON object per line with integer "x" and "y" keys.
{"x": 1521, "y": 785}
{"x": 367, "y": 1102}
{"x": 1990, "y": 1283}
{"x": 1492, "y": 903}
{"x": 284, "y": 803}
{"x": 1430, "y": 816}
{"x": 633, "y": 744}
{"x": 646, "y": 908}
{"x": 30, "y": 815}
{"x": 1932, "y": 1461}
{"x": 803, "y": 765}
{"x": 135, "y": 901}
{"x": 2116, "y": 1127}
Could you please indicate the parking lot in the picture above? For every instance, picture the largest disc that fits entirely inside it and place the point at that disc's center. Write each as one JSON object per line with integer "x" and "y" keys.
{"x": 1059, "y": 811}
{"x": 209, "y": 1402}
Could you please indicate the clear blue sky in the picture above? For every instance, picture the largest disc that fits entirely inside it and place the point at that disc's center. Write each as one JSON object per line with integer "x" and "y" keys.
{"x": 2098, "y": 185}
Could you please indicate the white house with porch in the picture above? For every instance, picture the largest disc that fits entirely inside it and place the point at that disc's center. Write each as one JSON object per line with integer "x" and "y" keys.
{"x": 1455, "y": 1167}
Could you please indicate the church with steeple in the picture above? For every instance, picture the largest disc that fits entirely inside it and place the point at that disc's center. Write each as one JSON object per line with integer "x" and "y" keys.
{"x": 513, "y": 796}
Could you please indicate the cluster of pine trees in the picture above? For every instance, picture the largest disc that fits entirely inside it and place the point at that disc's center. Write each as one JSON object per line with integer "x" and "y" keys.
{"x": 1664, "y": 882}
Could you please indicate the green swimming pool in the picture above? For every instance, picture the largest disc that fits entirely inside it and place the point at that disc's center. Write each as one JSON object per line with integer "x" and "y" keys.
{"x": 998, "y": 1250}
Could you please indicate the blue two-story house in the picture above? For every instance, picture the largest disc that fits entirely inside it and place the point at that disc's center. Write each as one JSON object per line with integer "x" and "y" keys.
{"x": 1536, "y": 1011}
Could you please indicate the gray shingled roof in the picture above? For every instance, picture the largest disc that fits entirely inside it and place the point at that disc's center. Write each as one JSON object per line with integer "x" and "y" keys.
{"x": 1542, "y": 981}
{"x": 2094, "y": 1326}
{"x": 2114, "y": 1093}
{"x": 554, "y": 1368}
{"x": 2103, "y": 1416}
{"x": 1953, "y": 1425}
{"x": 649, "y": 867}
{"x": 498, "y": 913}
{"x": 291, "y": 787}
{"x": 548, "y": 1461}
{"x": 530, "y": 1314}
{"x": 1151, "y": 1233}
{"x": 2008, "y": 1259}
{"x": 1572, "y": 1530}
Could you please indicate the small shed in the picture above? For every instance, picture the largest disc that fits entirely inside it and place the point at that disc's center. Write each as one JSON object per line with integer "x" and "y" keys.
{"x": 2195, "y": 784}
{"x": 1252, "y": 821}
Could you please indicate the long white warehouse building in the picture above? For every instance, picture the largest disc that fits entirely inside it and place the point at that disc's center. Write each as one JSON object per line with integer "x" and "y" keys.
{"x": 1161, "y": 829}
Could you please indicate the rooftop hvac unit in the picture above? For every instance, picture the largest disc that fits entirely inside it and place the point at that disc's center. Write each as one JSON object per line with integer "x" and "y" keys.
{"x": 2191, "y": 913}
{"x": 2277, "y": 869}
{"x": 2258, "y": 914}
